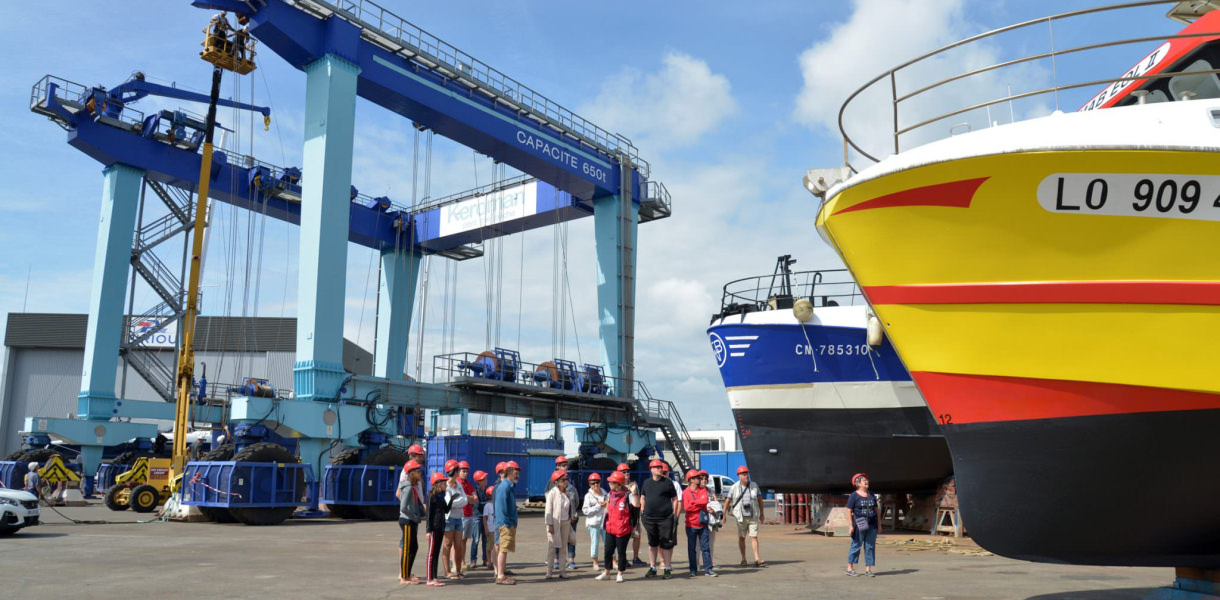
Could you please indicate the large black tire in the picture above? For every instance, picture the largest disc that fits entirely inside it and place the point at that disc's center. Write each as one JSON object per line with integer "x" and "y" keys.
{"x": 144, "y": 498}
{"x": 40, "y": 456}
{"x": 351, "y": 456}
{"x": 602, "y": 464}
{"x": 111, "y": 498}
{"x": 216, "y": 513}
{"x": 383, "y": 457}
{"x": 129, "y": 457}
{"x": 14, "y": 456}
{"x": 265, "y": 452}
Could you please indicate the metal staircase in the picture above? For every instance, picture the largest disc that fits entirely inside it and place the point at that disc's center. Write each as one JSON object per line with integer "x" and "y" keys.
{"x": 663, "y": 415}
{"x": 168, "y": 286}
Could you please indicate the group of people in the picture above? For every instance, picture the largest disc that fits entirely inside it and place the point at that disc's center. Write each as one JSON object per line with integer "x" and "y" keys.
{"x": 455, "y": 510}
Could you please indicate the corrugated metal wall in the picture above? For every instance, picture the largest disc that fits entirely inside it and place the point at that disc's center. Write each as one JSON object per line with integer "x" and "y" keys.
{"x": 42, "y": 382}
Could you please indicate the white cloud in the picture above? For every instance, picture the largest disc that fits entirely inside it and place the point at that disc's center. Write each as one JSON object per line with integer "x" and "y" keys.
{"x": 851, "y": 55}
{"x": 669, "y": 108}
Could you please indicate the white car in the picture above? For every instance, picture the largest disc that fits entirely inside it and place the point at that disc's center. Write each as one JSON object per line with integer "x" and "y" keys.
{"x": 17, "y": 509}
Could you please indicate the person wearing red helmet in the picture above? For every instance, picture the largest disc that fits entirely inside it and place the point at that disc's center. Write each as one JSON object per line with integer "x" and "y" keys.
{"x": 561, "y": 464}
{"x": 594, "y": 509}
{"x": 617, "y": 524}
{"x": 453, "y": 527}
{"x": 479, "y": 499}
{"x": 414, "y": 453}
{"x": 746, "y": 506}
{"x": 411, "y": 512}
{"x": 636, "y": 527}
{"x": 864, "y": 525}
{"x": 694, "y": 502}
{"x": 558, "y": 517}
{"x": 660, "y": 507}
{"x": 445, "y": 497}
{"x": 506, "y": 520}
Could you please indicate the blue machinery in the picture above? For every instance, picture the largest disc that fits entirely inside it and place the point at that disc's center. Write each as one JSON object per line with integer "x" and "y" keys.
{"x": 573, "y": 169}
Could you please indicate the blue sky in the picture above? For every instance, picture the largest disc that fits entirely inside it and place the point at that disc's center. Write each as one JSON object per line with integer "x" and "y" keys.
{"x": 731, "y": 104}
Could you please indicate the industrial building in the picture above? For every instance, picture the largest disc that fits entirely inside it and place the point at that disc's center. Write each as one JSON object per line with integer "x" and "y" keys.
{"x": 44, "y": 354}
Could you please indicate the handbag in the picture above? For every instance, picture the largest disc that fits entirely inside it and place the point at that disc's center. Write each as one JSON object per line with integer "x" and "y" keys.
{"x": 703, "y": 517}
{"x": 861, "y": 524}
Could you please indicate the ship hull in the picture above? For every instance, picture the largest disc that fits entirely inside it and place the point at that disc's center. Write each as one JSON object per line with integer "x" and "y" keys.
{"x": 819, "y": 450}
{"x": 1062, "y": 341}
{"x": 814, "y": 404}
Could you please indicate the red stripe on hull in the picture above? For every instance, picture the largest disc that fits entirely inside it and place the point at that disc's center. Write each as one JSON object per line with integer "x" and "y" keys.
{"x": 1204, "y": 293}
{"x": 959, "y": 399}
{"x": 955, "y": 194}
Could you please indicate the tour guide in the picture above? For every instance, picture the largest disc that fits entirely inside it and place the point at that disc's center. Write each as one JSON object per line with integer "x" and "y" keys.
{"x": 660, "y": 501}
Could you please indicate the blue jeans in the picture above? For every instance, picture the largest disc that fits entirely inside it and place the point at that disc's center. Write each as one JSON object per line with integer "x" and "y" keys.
{"x": 596, "y": 535}
{"x": 868, "y": 540}
{"x": 474, "y": 544}
{"x": 701, "y": 537}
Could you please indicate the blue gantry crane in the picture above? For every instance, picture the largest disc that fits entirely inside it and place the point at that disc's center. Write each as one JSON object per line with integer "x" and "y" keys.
{"x": 348, "y": 50}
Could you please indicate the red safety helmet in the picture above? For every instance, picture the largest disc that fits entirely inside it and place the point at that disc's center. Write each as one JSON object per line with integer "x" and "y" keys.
{"x": 450, "y": 465}
{"x": 617, "y": 477}
{"x": 691, "y": 474}
{"x": 415, "y": 449}
{"x": 463, "y": 465}
{"x": 561, "y": 460}
{"x": 656, "y": 462}
{"x": 480, "y": 476}
{"x": 512, "y": 464}
{"x": 557, "y": 475}
{"x": 595, "y": 477}
{"x": 623, "y": 467}
{"x": 438, "y": 477}
{"x": 703, "y": 473}
{"x": 411, "y": 466}
{"x": 499, "y": 467}
{"x": 664, "y": 467}
{"x": 857, "y": 476}
{"x": 742, "y": 469}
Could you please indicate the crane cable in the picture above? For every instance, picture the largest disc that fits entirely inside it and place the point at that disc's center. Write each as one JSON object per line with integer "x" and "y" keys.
{"x": 427, "y": 265}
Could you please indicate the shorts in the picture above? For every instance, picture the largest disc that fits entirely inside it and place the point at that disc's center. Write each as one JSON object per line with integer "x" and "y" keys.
{"x": 747, "y": 527}
{"x": 453, "y": 524}
{"x": 506, "y": 538}
{"x": 470, "y": 527}
{"x": 660, "y": 531}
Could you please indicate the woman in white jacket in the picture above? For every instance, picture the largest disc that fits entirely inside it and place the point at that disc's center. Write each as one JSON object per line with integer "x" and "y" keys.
{"x": 594, "y": 510}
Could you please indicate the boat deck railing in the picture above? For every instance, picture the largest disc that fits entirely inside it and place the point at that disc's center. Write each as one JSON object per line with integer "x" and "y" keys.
{"x": 768, "y": 292}
{"x": 1043, "y": 77}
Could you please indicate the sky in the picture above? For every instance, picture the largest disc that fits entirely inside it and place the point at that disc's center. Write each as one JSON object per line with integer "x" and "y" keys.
{"x": 730, "y": 103}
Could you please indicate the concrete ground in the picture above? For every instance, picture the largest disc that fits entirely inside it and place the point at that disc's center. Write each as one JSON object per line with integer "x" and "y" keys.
{"x": 357, "y": 559}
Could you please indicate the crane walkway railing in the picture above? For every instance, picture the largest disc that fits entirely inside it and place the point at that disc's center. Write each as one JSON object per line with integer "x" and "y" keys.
{"x": 399, "y": 36}
{"x": 150, "y": 368}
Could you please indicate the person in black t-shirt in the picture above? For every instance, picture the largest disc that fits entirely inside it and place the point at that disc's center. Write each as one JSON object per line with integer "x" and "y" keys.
{"x": 660, "y": 502}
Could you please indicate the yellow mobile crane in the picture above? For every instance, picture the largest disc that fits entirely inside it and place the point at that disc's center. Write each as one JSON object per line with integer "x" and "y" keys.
{"x": 151, "y": 481}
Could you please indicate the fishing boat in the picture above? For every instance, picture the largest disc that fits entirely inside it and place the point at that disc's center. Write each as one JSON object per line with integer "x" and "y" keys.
{"x": 814, "y": 398}
{"x": 1052, "y": 285}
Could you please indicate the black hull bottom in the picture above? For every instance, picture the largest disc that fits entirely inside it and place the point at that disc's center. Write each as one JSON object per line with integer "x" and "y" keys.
{"x": 1130, "y": 490}
{"x": 806, "y": 450}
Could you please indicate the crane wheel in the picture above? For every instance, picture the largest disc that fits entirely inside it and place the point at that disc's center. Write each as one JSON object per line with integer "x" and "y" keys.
{"x": 144, "y": 498}
{"x": 266, "y": 452}
{"x": 351, "y": 456}
{"x": 384, "y": 457}
{"x": 218, "y": 514}
{"x": 40, "y": 456}
{"x": 113, "y": 498}
{"x": 14, "y": 456}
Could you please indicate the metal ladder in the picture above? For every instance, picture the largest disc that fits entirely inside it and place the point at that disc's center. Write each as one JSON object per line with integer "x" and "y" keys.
{"x": 663, "y": 415}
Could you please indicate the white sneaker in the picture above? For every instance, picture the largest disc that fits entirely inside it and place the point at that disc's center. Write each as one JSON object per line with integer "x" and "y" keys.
{"x": 619, "y": 579}
{"x": 601, "y": 577}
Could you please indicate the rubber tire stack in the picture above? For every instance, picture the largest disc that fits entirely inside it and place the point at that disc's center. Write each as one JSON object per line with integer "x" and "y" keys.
{"x": 384, "y": 457}
{"x": 265, "y": 452}
{"x": 351, "y": 456}
{"x": 218, "y": 514}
